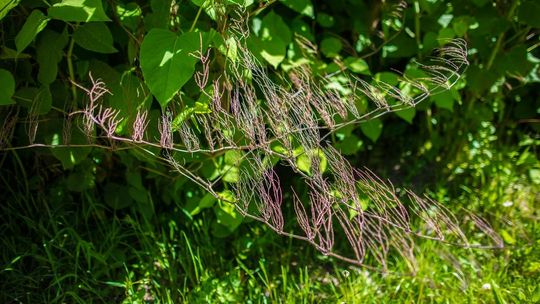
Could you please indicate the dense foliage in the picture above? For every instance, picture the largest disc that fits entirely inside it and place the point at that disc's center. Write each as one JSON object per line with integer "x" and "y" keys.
{"x": 94, "y": 211}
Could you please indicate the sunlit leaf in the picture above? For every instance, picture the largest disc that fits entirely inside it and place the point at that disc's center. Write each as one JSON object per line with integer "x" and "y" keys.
{"x": 129, "y": 14}
{"x": 244, "y": 3}
{"x": 69, "y": 156}
{"x": 167, "y": 63}
{"x": 227, "y": 216}
{"x": 78, "y": 11}
{"x": 304, "y": 7}
{"x": 6, "y": 6}
{"x": 331, "y": 47}
{"x": 34, "y": 24}
{"x": 274, "y": 37}
{"x": 304, "y": 161}
{"x": 357, "y": 65}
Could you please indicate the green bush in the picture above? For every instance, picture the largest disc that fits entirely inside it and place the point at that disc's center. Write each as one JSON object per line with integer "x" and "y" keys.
{"x": 142, "y": 142}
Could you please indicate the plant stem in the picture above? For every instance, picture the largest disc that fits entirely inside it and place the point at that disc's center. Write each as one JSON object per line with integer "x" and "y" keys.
{"x": 501, "y": 36}
{"x": 417, "y": 28}
{"x": 71, "y": 71}
{"x": 196, "y": 18}
{"x": 495, "y": 50}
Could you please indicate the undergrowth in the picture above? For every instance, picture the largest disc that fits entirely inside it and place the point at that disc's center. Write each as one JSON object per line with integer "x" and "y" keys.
{"x": 65, "y": 247}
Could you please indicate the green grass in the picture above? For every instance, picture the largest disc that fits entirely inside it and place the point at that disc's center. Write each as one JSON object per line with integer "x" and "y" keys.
{"x": 66, "y": 247}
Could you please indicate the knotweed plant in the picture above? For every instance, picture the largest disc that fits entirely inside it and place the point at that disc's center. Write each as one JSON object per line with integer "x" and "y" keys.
{"x": 288, "y": 121}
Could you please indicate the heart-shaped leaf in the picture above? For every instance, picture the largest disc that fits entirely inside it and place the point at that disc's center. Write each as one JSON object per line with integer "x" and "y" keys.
{"x": 167, "y": 63}
{"x": 274, "y": 37}
{"x": 372, "y": 128}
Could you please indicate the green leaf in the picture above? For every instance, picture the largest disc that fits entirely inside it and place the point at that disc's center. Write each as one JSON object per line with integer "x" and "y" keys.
{"x": 206, "y": 201}
{"x": 7, "y": 53}
{"x": 194, "y": 207}
{"x": 444, "y": 100}
{"x": 227, "y": 216}
{"x": 7, "y": 87}
{"x": 357, "y": 65}
{"x": 34, "y": 24}
{"x": 184, "y": 115}
{"x": 480, "y": 79}
{"x": 303, "y": 161}
{"x": 138, "y": 195}
{"x": 129, "y": 94}
{"x": 325, "y": 20}
{"x": 302, "y": 28}
{"x": 233, "y": 157}
{"x": 198, "y": 2}
{"x": 230, "y": 173}
{"x": 188, "y": 112}
{"x": 95, "y": 36}
{"x": 389, "y": 78}
{"x": 508, "y": 238}
{"x": 160, "y": 16}
{"x": 429, "y": 42}
{"x": 201, "y": 108}
{"x": 6, "y": 6}
{"x": 69, "y": 156}
{"x": 460, "y": 25}
{"x": 529, "y": 12}
{"x": 274, "y": 37}
{"x": 331, "y": 47}
{"x": 244, "y": 3}
{"x": 445, "y": 35}
{"x": 129, "y": 14}
{"x": 231, "y": 169}
{"x": 304, "y": 7}
{"x": 514, "y": 62}
{"x": 166, "y": 62}
{"x": 227, "y": 47}
{"x": 372, "y": 128}
{"x": 407, "y": 114}
{"x": 116, "y": 284}
{"x": 534, "y": 175}
{"x": 400, "y": 47}
{"x": 49, "y": 52}
{"x": 226, "y": 196}
{"x": 349, "y": 145}
{"x": 78, "y": 11}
